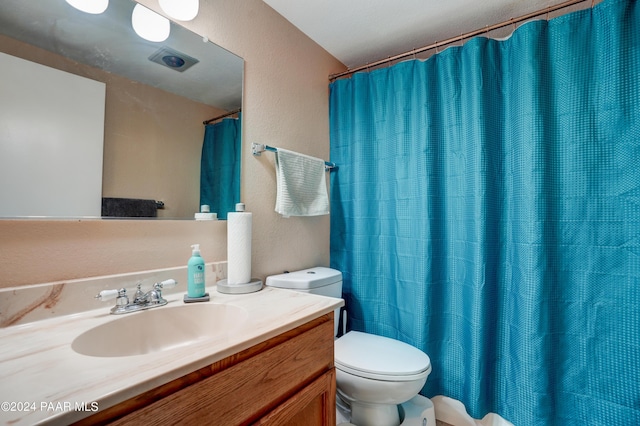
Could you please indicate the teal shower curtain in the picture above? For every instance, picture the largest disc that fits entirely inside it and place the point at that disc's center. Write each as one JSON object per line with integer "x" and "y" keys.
{"x": 487, "y": 211}
{"x": 220, "y": 166}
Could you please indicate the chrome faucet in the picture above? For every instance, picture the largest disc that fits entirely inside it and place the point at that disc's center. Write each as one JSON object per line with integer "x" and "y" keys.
{"x": 151, "y": 299}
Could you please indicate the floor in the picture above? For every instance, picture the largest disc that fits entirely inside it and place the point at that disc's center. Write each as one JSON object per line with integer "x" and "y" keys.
{"x": 448, "y": 408}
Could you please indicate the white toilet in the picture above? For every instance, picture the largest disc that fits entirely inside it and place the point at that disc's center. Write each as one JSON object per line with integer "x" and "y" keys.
{"x": 374, "y": 374}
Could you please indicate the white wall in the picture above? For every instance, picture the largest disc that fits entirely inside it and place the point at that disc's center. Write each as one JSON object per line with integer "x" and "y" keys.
{"x": 51, "y": 141}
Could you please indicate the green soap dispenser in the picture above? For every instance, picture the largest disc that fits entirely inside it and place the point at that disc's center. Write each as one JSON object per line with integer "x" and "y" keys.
{"x": 195, "y": 270}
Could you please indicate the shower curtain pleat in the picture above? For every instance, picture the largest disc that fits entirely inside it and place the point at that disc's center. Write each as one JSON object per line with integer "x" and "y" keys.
{"x": 220, "y": 166}
{"x": 487, "y": 211}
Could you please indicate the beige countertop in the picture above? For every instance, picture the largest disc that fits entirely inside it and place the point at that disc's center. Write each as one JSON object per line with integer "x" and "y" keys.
{"x": 43, "y": 380}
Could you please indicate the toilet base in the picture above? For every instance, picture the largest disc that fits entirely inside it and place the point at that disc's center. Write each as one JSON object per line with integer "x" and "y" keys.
{"x": 375, "y": 414}
{"x": 418, "y": 411}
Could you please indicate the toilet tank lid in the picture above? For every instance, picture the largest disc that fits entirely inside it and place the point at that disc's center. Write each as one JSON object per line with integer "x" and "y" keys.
{"x": 305, "y": 279}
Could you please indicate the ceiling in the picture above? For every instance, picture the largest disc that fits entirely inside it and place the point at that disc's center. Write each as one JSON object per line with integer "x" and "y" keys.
{"x": 358, "y": 32}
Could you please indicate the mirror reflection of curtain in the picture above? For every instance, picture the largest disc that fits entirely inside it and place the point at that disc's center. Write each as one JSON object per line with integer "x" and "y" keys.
{"x": 220, "y": 166}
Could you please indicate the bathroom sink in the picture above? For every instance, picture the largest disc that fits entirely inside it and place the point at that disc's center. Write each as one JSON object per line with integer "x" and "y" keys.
{"x": 159, "y": 329}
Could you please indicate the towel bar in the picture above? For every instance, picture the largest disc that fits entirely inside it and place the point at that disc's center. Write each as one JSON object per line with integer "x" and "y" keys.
{"x": 258, "y": 148}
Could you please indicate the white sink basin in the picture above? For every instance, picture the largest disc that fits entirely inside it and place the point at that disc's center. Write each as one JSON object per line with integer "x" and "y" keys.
{"x": 159, "y": 329}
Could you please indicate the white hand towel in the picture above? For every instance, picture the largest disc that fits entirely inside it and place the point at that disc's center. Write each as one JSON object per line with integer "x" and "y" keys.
{"x": 301, "y": 186}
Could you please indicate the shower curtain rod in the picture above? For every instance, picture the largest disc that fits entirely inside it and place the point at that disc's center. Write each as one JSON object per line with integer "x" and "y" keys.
{"x": 258, "y": 148}
{"x": 235, "y": 111}
{"x": 465, "y": 36}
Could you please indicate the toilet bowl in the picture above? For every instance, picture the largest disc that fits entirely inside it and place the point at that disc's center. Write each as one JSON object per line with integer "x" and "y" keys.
{"x": 374, "y": 374}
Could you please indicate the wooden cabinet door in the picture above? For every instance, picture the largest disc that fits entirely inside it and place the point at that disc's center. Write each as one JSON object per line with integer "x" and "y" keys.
{"x": 314, "y": 405}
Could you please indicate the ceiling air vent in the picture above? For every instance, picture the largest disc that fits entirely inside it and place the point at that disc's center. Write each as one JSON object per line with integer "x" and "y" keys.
{"x": 173, "y": 59}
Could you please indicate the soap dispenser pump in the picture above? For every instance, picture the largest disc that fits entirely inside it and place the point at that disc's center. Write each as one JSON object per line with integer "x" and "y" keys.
{"x": 195, "y": 270}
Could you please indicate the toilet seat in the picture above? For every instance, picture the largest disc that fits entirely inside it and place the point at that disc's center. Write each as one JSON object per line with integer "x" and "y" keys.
{"x": 380, "y": 358}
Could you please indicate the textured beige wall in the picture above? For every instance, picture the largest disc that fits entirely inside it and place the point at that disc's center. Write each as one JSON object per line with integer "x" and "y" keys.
{"x": 157, "y": 156}
{"x": 285, "y": 104}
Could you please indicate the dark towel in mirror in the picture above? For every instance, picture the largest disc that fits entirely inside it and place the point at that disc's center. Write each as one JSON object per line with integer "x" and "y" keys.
{"x": 129, "y": 207}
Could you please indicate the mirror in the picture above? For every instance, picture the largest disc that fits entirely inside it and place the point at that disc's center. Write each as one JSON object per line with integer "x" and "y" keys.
{"x": 153, "y": 119}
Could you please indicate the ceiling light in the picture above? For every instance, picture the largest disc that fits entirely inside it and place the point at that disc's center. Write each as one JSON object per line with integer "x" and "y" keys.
{"x": 149, "y": 25}
{"x": 182, "y": 10}
{"x": 90, "y": 6}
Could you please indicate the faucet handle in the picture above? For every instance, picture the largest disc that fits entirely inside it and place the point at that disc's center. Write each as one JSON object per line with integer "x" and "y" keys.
{"x": 105, "y": 295}
{"x": 165, "y": 284}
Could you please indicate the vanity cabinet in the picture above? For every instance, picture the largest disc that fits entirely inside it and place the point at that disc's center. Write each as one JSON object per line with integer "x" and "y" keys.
{"x": 286, "y": 380}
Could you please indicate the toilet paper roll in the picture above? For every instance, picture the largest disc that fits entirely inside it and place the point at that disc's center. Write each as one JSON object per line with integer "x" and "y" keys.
{"x": 239, "y": 247}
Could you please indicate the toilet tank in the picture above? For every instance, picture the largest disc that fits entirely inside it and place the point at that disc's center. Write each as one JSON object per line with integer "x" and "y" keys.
{"x": 318, "y": 280}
